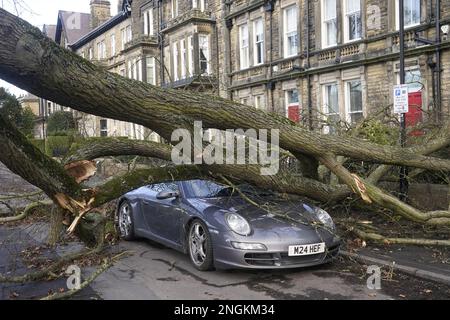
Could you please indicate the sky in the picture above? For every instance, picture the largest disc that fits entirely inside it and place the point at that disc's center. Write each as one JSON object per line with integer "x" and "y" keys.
{"x": 40, "y": 12}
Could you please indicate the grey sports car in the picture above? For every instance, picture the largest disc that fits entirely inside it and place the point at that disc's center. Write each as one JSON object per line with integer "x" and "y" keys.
{"x": 220, "y": 227}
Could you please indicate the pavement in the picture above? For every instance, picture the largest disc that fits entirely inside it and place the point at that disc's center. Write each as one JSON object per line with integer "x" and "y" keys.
{"x": 429, "y": 263}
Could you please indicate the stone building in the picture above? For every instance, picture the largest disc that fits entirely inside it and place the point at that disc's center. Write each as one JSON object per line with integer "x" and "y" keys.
{"x": 334, "y": 59}
{"x": 308, "y": 60}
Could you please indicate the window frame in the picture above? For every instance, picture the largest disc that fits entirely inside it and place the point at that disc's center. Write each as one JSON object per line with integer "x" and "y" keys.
{"x": 407, "y": 26}
{"x": 346, "y": 23}
{"x": 259, "y": 105}
{"x": 148, "y": 22}
{"x": 291, "y": 104}
{"x": 326, "y": 104}
{"x": 288, "y": 33}
{"x": 183, "y": 58}
{"x": 195, "y": 5}
{"x": 175, "y": 74}
{"x": 150, "y": 61}
{"x": 174, "y": 8}
{"x": 112, "y": 39}
{"x": 348, "y": 112}
{"x": 257, "y": 43}
{"x": 190, "y": 55}
{"x": 325, "y": 22}
{"x": 207, "y": 56}
{"x": 103, "y": 130}
{"x": 244, "y": 48}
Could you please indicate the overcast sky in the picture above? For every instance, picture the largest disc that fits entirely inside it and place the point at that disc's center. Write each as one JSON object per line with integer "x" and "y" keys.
{"x": 40, "y": 12}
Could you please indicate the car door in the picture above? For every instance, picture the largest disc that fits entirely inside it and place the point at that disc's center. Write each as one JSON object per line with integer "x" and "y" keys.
{"x": 163, "y": 216}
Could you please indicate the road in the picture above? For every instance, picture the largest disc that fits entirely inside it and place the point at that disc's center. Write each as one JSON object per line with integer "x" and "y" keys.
{"x": 155, "y": 272}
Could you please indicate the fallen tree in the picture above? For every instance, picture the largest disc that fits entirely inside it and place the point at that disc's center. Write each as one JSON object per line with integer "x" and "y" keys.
{"x": 34, "y": 63}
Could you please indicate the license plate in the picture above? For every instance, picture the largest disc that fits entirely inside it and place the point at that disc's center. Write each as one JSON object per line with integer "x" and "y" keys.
{"x": 306, "y": 249}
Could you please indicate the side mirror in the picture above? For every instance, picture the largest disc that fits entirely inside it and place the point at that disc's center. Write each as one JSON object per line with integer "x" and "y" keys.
{"x": 167, "y": 195}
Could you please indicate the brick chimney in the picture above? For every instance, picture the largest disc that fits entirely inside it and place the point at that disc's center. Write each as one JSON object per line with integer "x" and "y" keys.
{"x": 100, "y": 12}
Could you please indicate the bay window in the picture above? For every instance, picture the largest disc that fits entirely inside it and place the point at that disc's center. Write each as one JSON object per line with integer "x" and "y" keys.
{"x": 258, "y": 51}
{"x": 329, "y": 23}
{"x": 243, "y": 46}
{"x": 290, "y": 31}
{"x": 352, "y": 20}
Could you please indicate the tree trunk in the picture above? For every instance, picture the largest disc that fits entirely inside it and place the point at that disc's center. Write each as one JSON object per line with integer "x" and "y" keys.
{"x": 56, "y": 225}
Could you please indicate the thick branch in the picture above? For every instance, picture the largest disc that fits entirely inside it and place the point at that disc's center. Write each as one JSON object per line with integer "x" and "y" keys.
{"x": 387, "y": 240}
{"x": 24, "y": 159}
{"x": 371, "y": 193}
{"x": 281, "y": 182}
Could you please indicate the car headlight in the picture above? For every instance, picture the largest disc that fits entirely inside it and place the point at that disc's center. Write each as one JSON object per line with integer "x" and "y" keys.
{"x": 325, "y": 218}
{"x": 238, "y": 224}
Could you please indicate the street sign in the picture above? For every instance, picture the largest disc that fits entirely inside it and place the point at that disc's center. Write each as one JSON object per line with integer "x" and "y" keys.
{"x": 401, "y": 104}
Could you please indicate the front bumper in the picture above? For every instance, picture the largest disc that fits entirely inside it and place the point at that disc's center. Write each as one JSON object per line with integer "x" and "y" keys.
{"x": 276, "y": 257}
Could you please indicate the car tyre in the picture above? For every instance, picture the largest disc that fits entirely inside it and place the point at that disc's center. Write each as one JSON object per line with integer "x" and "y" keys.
{"x": 200, "y": 247}
{"x": 126, "y": 221}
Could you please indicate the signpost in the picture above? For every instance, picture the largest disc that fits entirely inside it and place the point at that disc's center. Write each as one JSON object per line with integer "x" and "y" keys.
{"x": 401, "y": 100}
{"x": 401, "y": 104}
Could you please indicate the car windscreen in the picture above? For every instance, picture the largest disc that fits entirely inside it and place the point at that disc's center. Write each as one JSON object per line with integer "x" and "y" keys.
{"x": 208, "y": 189}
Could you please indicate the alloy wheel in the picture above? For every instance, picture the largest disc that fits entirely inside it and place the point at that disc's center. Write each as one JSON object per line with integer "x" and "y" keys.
{"x": 198, "y": 243}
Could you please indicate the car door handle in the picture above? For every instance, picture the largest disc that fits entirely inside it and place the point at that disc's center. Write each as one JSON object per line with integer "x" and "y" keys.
{"x": 146, "y": 202}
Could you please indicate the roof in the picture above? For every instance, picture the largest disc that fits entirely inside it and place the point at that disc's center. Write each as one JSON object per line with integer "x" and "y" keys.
{"x": 49, "y": 30}
{"x": 121, "y": 16}
{"x": 75, "y": 24}
{"x": 28, "y": 97}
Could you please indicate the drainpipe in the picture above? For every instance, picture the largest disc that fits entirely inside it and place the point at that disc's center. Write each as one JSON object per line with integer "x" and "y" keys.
{"x": 308, "y": 77}
{"x": 269, "y": 7}
{"x": 438, "y": 62}
{"x": 161, "y": 43}
{"x": 272, "y": 101}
